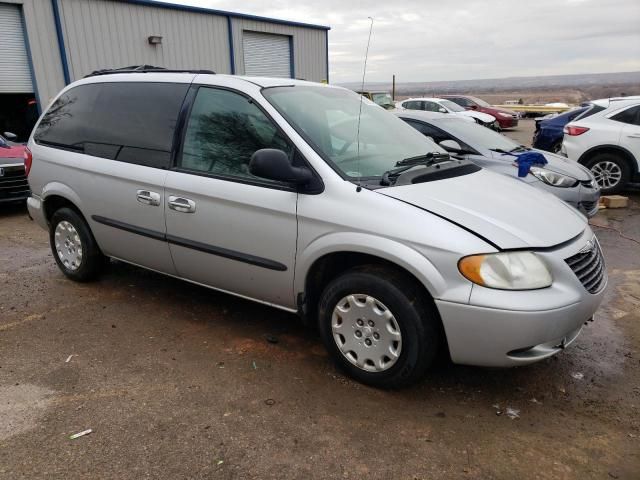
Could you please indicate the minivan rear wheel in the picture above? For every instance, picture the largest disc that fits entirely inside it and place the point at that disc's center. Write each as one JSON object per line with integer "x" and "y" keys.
{"x": 610, "y": 171}
{"x": 74, "y": 248}
{"x": 378, "y": 326}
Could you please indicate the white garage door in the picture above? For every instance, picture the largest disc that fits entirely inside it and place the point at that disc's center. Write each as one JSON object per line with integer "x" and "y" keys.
{"x": 15, "y": 76}
{"x": 266, "y": 55}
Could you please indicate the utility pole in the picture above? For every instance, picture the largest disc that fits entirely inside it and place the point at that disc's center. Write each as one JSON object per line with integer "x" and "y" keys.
{"x": 393, "y": 88}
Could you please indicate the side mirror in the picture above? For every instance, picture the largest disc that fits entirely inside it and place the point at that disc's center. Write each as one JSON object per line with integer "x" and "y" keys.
{"x": 451, "y": 146}
{"x": 442, "y": 110}
{"x": 10, "y": 136}
{"x": 274, "y": 164}
{"x": 473, "y": 107}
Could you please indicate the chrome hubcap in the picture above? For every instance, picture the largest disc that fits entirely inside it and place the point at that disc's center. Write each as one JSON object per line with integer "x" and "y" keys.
{"x": 607, "y": 174}
{"x": 68, "y": 245}
{"x": 366, "y": 333}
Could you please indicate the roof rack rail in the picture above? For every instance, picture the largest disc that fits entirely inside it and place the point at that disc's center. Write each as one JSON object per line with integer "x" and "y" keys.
{"x": 145, "y": 69}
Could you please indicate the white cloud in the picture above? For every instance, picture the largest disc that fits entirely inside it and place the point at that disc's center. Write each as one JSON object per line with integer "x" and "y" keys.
{"x": 422, "y": 40}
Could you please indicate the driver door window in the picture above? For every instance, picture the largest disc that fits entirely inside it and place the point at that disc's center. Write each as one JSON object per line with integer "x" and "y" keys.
{"x": 224, "y": 130}
{"x": 432, "y": 107}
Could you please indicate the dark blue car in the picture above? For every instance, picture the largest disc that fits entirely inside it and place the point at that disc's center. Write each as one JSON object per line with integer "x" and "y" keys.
{"x": 548, "y": 134}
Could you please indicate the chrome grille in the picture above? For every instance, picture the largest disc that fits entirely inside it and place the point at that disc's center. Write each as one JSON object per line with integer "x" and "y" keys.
{"x": 588, "y": 265}
{"x": 13, "y": 183}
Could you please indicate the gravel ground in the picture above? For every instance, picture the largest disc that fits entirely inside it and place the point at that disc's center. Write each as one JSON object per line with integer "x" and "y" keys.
{"x": 177, "y": 381}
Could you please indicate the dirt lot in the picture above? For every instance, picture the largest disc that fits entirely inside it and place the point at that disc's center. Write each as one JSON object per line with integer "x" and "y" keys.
{"x": 178, "y": 381}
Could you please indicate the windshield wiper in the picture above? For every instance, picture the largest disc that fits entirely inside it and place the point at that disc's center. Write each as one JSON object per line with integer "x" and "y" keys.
{"x": 403, "y": 165}
{"x": 519, "y": 148}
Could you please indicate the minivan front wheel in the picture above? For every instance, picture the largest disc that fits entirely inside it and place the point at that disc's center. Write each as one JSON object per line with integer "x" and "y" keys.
{"x": 74, "y": 248}
{"x": 378, "y": 326}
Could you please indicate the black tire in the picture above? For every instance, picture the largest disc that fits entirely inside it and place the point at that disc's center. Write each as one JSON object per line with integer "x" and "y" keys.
{"x": 92, "y": 262}
{"x": 415, "y": 316}
{"x": 556, "y": 147}
{"x": 604, "y": 158}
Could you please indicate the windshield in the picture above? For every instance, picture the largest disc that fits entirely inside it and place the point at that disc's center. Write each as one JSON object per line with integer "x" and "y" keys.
{"x": 452, "y": 107}
{"x": 382, "y": 99}
{"x": 328, "y": 119}
{"x": 477, "y": 136}
{"x": 480, "y": 102}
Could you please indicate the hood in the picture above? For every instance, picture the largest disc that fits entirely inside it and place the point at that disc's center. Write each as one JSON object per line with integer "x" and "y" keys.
{"x": 16, "y": 151}
{"x": 505, "y": 211}
{"x": 483, "y": 117}
{"x": 558, "y": 164}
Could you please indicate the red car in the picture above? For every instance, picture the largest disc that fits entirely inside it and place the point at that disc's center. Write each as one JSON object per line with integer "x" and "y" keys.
{"x": 506, "y": 118}
{"x": 13, "y": 178}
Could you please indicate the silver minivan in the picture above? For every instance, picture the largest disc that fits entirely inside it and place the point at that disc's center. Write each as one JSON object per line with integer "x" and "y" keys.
{"x": 306, "y": 198}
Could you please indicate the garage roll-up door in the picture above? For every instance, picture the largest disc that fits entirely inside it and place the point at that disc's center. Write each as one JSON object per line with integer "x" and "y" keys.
{"x": 266, "y": 55}
{"x": 15, "y": 76}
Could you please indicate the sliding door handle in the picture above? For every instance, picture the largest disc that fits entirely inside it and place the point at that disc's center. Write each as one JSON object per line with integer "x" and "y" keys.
{"x": 181, "y": 204}
{"x": 148, "y": 198}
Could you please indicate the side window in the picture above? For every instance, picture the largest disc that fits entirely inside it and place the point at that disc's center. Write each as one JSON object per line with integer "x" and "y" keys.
{"x": 224, "y": 130}
{"x": 435, "y": 134}
{"x": 463, "y": 102}
{"x": 414, "y": 105}
{"x": 432, "y": 107}
{"x": 131, "y": 122}
{"x": 631, "y": 115}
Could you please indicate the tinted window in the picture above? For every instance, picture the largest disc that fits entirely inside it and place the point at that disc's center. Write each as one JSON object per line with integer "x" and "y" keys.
{"x": 432, "y": 107}
{"x": 593, "y": 108}
{"x": 631, "y": 115}
{"x": 224, "y": 131}
{"x": 463, "y": 102}
{"x": 127, "y": 121}
{"x": 413, "y": 105}
{"x": 427, "y": 130}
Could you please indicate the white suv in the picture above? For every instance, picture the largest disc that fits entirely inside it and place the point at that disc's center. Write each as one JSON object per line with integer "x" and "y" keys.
{"x": 607, "y": 141}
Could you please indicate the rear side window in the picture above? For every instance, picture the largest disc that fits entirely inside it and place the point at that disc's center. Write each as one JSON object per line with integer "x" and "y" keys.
{"x": 414, "y": 105}
{"x": 131, "y": 122}
{"x": 631, "y": 116}
{"x": 593, "y": 108}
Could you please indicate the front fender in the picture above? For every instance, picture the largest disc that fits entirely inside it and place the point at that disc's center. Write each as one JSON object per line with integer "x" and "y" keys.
{"x": 387, "y": 249}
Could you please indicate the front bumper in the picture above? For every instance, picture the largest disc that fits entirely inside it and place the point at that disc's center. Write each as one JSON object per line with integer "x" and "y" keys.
{"x": 501, "y": 328}
{"x": 507, "y": 122}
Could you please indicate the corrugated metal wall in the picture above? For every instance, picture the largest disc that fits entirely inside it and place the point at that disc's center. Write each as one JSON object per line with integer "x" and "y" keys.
{"x": 43, "y": 43}
{"x": 111, "y": 33}
{"x": 106, "y": 34}
{"x": 15, "y": 73}
{"x": 309, "y": 47}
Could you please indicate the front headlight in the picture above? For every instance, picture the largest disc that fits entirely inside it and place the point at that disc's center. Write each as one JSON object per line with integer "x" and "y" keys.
{"x": 552, "y": 178}
{"x": 506, "y": 270}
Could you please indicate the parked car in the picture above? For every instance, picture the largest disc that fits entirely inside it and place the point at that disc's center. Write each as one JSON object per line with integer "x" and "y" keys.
{"x": 13, "y": 181}
{"x": 607, "y": 142}
{"x": 568, "y": 180}
{"x": 379, "y": 97}
{"x": 549, "y": 130}
{"x": 442, "y": 105}
{"x": 506, "y": 118}
{"x": 302, "y": 197}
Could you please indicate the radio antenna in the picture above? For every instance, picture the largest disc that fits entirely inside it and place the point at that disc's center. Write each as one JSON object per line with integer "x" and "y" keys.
{"x": 364, "y": 73}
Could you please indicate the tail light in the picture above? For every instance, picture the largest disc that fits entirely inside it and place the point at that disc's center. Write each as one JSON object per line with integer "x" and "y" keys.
{"x": 28, "y": 160}
{"x": 574, "y": 131}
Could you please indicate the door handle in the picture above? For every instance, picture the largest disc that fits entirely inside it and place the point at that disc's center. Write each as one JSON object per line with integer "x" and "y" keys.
{"x": 148, "y": 198}
{"x": 634, "y": 135}
{"x": 181, "y": 204}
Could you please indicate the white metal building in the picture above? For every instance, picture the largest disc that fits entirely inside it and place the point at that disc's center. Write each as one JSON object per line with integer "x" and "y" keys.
{"x": 46, "y": 44}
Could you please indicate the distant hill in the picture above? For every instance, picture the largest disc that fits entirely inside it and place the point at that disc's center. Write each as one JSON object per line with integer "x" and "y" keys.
{"x": 564, "y": 88}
